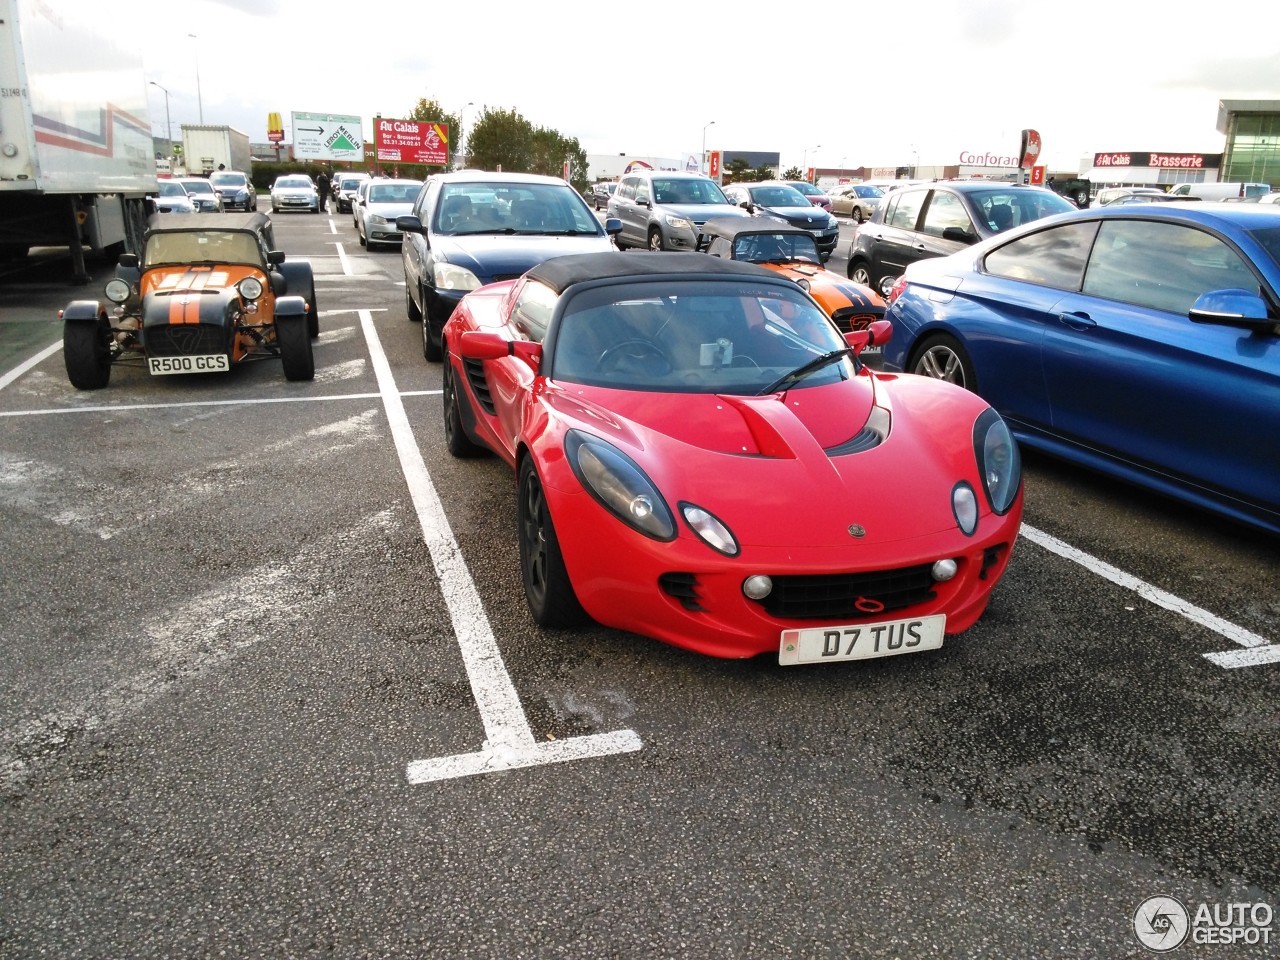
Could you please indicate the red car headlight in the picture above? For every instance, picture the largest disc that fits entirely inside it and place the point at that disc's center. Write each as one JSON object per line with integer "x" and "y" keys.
{"x": 619, "y": 485}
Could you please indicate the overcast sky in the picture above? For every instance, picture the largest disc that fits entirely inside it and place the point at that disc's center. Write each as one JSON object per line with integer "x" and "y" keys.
{"x": 858, "y": 84}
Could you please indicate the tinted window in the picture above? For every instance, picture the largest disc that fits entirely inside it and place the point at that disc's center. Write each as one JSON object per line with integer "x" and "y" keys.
{"x": 1053, "y": 258}
{"x": 686, "y": 190}
{"x": 1165, "y": 266}
{"x": 904, "y": 210}
{"x": 945, "y": 210}
{"x": 626, "y": 189}
{"x": 532, "y": 310}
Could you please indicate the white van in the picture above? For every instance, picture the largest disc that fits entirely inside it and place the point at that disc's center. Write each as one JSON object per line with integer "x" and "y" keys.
{"x": 1220, "y": 191}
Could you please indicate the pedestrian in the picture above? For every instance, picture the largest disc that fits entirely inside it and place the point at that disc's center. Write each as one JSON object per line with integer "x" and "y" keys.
{"x": 322, "y": 186}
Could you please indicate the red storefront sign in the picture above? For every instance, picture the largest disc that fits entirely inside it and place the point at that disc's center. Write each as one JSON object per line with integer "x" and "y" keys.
{"x": 411, "y": 141}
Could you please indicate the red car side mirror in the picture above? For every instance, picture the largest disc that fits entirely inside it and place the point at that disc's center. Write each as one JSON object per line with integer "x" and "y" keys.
{"x": 481, "y": 345}
{"x": 880, "y": 332}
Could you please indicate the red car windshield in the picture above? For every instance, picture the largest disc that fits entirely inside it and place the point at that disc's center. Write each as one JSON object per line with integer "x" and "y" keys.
{"x": 693, "y": 337}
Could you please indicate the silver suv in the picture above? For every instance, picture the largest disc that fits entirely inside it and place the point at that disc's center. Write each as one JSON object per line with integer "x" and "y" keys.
{"x": 664, "y": 210}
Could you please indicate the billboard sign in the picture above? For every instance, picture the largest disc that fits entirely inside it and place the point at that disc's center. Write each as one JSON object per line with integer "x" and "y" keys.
{"x": 411, "y": 141}
{"x": 327, "y": 136}
{"x": 1030, "y": 148}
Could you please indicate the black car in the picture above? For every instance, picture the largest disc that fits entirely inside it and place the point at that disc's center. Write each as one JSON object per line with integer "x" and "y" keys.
{"x": 784, "y": 202}
{"x": 600, "y": 194}
{"x": 470, "y": 228}
{"x": 936, "y": 219}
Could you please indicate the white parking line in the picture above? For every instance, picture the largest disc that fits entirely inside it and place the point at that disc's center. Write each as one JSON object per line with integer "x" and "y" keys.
{"x": 509, "y": 740}
{"x": 1259, "y": 649}
{"x": 22, "y": 368}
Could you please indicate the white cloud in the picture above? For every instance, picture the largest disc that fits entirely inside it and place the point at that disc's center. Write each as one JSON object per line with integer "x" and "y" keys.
{"x": 936, "y": 79}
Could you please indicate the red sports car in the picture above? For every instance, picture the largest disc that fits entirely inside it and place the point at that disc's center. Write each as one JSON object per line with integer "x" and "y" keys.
{"x": 702, "y": 458}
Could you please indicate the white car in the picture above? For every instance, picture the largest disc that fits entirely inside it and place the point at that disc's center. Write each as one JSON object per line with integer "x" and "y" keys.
{"x": 344, "y": 189}
{"x": 202, "y": 194}
{"x": 378, "y": 204}
{"x": 173, "y": 198}
{"x": 294, "y": 191}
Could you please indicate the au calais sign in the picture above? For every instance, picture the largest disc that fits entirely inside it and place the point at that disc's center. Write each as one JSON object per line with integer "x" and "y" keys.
{"x": 411, "y": 141}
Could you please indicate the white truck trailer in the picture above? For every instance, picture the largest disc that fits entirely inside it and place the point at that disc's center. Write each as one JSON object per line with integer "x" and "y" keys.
{"x": 210, "y": 147}
{"x": 77, "y": 157}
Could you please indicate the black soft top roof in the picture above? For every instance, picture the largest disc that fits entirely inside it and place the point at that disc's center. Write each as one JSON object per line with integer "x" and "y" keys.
{"x": 727, "y": 228}
{"x": 163, "y": 222}
{"x": 560, "y": 273}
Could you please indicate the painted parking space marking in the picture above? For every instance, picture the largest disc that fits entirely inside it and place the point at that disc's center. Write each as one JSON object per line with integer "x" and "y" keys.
{"x": 509, "y": 742}
{"x": 1258, "y": 650}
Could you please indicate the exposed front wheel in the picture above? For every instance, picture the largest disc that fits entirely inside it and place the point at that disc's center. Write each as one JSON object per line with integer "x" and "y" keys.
{"x": 86, "y": 350}
{"x": 942, "y": 357}
{"x": 455, "y": 437}
{"x": 295, "y": 348}
{"x": 410, "y": 308}
{"x": 547, "y": 588}
{"x": 431, "y": 349}
{"x": 857, "y": 215}
{"x": 655, "y": 239}
{"x": 313, "y": 316}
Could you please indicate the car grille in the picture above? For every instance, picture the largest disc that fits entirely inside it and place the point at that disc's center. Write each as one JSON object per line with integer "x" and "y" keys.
{"x": 479, "y": 386}
{"x": 849, "y": 596}
{"x": 184, "y": 339}
{"x": 865, "y": 439}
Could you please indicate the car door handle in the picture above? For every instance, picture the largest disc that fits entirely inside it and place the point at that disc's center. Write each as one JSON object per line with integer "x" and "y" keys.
{"x": 1078, "y": 321}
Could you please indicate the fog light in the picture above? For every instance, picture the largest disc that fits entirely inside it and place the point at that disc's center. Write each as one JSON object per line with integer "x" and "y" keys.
{"x": 757, "y": 587}
{"x": 964, "y": 504}
{"x": 944, "y": 570}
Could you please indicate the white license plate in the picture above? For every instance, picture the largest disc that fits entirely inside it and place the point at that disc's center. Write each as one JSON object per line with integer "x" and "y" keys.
{"x": 862, "y": 641}
{"x": 210, "y": 363}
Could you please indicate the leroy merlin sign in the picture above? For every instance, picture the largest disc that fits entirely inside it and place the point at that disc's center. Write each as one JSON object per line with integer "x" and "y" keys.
{"x": 327, "y": 136}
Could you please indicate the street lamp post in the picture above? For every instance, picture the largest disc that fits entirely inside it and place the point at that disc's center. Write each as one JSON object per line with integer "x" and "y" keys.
{"x": 167, "y": 121}
{"x": 804, "y": 166}
{"x": 466, "y": 135}
{"x": 199, "y": 97}
{"x": 703, "y": 159}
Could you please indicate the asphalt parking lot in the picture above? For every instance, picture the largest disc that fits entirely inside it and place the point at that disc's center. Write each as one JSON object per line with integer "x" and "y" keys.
{"x": 271, "y": 689}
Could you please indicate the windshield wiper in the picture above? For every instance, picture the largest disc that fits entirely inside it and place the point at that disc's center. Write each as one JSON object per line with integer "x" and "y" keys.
{"x": 789, "y": 380}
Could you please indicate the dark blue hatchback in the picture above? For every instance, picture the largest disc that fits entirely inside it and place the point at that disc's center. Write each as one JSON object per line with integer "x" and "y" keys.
{"x": 1141, "y": 341}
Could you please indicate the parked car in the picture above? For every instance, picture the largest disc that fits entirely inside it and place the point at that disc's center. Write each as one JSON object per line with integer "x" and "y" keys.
{"x": 935, "y": 219}
{"x": 857, "y": 201}
{"x": 236, "y": 190}
{"x": 1221, "y": 190}
{"x": 1108, "y": 195}
{"x": 469, "y": 228}
{"x": 773, "y": 198}
{"x": 294, "y": 191}
{"x": 378, "y": 207}
{"x": 1140, "y": 341}
{"x": 815, "y": 196}
{"x": 793, "y": 253}
{"x": 206, "y": 294}
{"x": 664, "y": 210}
{"x": 702, "y": 458}
{"x": 172, "y": 198}
{"x": 344, "y": 189}
{"x": 202, "y": 194}
{"x": 601, "y": 192}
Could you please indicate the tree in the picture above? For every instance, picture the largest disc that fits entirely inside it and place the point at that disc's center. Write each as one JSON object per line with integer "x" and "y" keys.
{"x": 501, "y": 138}
{"x": 738, "y": 170}
{"x": 793, "y": 173}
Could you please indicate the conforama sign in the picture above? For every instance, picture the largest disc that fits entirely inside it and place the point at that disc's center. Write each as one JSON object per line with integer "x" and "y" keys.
{"x": 411, "y": 141}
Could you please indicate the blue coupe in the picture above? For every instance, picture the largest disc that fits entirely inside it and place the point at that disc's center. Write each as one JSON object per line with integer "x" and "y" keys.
{"x": 1140, "y": 341}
